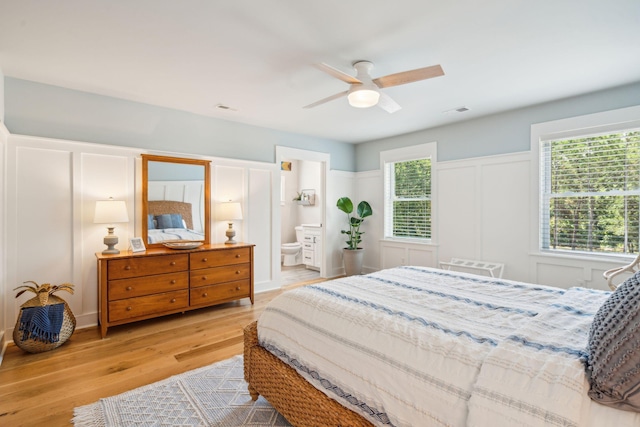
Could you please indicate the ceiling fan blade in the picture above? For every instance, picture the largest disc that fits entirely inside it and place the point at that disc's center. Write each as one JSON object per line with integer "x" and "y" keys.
{"x": 337, "y": 73}
{"x": 330, "y": 98}
{"x": 409, "y": 76}
{"x": 387, "y": 104}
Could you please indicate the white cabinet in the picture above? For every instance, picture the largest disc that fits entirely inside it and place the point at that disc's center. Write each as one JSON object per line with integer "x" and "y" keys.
{"x": 312, "y": 247}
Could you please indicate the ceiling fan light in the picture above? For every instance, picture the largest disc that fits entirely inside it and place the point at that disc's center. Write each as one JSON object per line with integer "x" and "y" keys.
{"x": 363, "y": 98}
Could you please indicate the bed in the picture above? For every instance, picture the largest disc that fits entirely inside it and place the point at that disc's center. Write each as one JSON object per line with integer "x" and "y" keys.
{"x": 414, "y": 346}
{"x": 170, "y": 221}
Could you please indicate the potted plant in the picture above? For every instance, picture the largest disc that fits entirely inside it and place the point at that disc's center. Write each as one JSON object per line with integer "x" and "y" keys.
{"x": 353, "y": 254}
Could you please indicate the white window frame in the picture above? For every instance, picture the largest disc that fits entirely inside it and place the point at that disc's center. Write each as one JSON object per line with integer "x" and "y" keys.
{"x": 414, "y": 152}
{"x": 574, "y": 127}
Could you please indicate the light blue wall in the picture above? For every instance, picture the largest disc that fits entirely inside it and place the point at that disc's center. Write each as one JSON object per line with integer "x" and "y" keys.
{"x": 49, "y": 111}
{"x": 508, "y": 132}
{"x": 163, "y": 171}
{"x": 54, "y": 112}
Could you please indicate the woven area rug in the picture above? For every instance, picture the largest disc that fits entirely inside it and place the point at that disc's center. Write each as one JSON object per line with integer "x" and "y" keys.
{"x": 215, "y": 395}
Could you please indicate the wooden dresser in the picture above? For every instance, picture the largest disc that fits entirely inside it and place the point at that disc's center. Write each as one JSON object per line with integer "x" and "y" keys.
{"x": 143, "y": 285}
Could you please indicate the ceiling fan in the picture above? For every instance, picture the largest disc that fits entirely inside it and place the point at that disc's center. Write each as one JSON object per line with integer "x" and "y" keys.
{"x": 365, "y": 92}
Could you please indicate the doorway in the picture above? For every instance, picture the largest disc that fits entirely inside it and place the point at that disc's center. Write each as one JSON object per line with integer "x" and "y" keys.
{"x": 302, "y": 190}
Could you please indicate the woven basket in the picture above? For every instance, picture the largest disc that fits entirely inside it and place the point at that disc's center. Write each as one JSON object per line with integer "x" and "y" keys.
{"x": 68, "y": 325}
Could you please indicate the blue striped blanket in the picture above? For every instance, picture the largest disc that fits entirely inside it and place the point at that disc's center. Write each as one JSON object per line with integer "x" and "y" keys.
{"x": 413, "y": 346}
{"x": 42, "y": 323}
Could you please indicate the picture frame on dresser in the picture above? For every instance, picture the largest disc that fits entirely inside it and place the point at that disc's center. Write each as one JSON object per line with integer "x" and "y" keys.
{"x": 137, "y": 244}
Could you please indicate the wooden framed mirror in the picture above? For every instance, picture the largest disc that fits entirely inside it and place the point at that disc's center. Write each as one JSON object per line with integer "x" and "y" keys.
{"x": 176, "y": 200}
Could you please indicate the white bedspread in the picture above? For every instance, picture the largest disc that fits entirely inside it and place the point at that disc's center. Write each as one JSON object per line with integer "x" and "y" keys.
{"x": 168, "y": 234}
{"x": 413, "y": 346}
{"x": 536, "y": 377}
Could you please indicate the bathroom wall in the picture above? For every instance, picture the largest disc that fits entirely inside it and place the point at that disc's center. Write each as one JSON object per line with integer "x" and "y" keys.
{"x": 310, "y": 178}
{"x": 289, "y": 208}
{"x": 304, "y": 174}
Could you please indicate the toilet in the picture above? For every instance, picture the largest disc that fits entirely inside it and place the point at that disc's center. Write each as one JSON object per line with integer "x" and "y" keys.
{"x": 292, "y": 252}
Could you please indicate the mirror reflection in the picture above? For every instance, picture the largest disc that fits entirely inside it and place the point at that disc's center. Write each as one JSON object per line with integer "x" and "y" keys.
{"x": 175, "y": 200}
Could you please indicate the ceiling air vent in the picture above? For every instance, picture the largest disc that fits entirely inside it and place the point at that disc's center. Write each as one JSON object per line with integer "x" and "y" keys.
{"x": 225, "y": 107}
{"x": 457, "y": 110}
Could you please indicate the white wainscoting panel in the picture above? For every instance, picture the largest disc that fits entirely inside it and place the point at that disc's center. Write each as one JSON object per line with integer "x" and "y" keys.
{"x": 339, "y": 184}
{"x": 459, "y": 200}
{"x": 397, "y": 253}
{"x": 568, "y": 271}
{"x": 43, "y": 221}
{"x": 258, "y": 220}
{"x": 229, "y": 185}
{"x": 505, "y": 219}
{"x": 102, "y": 175}
{"x": 370, "y": 188}
{"x": 484, "y": 211}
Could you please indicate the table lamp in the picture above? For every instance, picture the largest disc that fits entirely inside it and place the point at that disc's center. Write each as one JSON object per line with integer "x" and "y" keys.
{"x": 110, "y": 212}
{"x": 229, "y": 211}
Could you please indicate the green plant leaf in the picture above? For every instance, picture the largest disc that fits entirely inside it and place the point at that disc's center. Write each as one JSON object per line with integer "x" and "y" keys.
{"x": 364, "y": 209}
{"x": 345, "y": 205}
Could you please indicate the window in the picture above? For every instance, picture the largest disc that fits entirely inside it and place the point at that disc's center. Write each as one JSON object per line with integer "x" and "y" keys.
{"x": 590, "y": 192}
{"x": 408, "y": 202}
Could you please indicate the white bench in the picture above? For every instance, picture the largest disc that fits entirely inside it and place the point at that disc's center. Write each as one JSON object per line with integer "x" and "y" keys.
{"x": 494, "y": 269}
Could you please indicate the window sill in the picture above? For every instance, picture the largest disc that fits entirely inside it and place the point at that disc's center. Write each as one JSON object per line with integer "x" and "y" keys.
{"x": 410, "y": 241}
{"x": 582, "y": 256}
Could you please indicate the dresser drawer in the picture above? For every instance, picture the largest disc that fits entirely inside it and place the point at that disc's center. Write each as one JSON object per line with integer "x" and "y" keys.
{"x": 135, "y": 267}
{"x": 208, "y": 259}
{"x": 225, "y": 291}
{"x": 150, "y": 304}
{"x": 139, "y": 286}
{"x": 209, "y": 276}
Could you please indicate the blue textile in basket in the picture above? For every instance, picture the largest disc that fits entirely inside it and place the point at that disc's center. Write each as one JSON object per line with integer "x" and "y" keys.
{"x": 42, "y": 323}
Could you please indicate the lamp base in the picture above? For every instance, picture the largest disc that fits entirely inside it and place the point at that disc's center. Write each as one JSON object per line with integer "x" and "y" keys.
{"x": 231, "y": 233}
{"x": 111, "y": 241}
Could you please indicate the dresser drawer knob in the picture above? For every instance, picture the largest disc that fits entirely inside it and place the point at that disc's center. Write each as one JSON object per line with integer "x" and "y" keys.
{"x": 204, "y": 260}
{"x": 204, "y": 277}
{"x": 128, "y": 267}
{"x": 237, "y": 255}
{"x": 173, "y": 300}
{"x": 129, "y": 308}
{"x": 172, "y": 263}
{"x": 237, "y": 288}
{"x": 129, "y": 288}
{"x": 237, "y": 271}
{"x": 205, "y": 294}
{"x": 173, "y": 282}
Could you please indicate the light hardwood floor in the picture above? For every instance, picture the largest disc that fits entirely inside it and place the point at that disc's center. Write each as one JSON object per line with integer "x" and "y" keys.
{"x": 42, "y": 389}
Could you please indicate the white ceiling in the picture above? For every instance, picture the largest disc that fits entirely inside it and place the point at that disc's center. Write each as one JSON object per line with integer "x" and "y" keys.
{"x": 257, "y": 56}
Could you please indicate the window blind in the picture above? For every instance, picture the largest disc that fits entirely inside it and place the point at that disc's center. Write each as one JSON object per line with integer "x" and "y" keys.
{"x": 591, "y": 192}
{"x": 408, "y": 199}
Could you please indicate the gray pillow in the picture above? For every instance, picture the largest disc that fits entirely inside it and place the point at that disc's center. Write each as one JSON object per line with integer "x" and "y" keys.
{"x": 169, "y": 221}
{"x": 614, "y": 349}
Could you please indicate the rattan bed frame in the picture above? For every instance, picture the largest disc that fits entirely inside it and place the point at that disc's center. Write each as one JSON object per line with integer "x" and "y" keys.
{"x": 159, "y": 207}
{"x": 287, "y": 391}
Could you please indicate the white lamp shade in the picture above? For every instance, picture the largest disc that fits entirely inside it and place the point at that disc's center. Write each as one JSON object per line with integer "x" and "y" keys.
{"x": 228, "y": 211}
{"x": 110, "y": 212}
{"x": 363, "y": 98}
